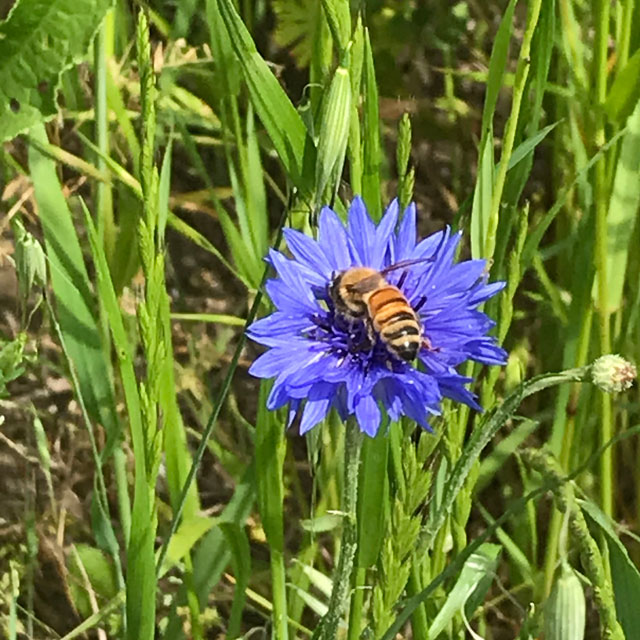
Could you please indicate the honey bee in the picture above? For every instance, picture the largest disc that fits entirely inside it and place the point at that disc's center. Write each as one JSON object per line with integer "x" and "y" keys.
{"x": 362, "y": 293}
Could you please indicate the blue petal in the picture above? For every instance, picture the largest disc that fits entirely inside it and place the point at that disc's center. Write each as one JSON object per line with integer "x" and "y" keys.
{"x": 272, "y": 363}
{"x": 278, "y": 327}
{"x": 453, "y": 388}
{"x": 291, "y": 300}
{"x": 313, "y": 413}
{"x": 332, "y": 238}
{"x": 368, "y": 415}
{"x": 485, "y": 292}
{"x": 486, "y": 351}
{"x": 307, "y": 251}
{"x": 383, "y": 235}
{"x": 405, "y": 240}
{"x": 361, "y": 232}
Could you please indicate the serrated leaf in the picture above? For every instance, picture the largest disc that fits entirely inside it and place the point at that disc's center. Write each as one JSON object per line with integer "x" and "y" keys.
{"x": 39, "y": 40}
{"x": 295, "y": 27}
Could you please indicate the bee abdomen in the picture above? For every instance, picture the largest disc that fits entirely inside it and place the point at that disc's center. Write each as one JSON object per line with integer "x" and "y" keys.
{"x": 403, "y": 339}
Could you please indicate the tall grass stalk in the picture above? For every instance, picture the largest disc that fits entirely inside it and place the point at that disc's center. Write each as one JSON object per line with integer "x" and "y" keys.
{"x": 520, "y": 83}
{"x": 602, "y": 18}
{"x": 141, "y": 583}
{"x": 340, "y": 592}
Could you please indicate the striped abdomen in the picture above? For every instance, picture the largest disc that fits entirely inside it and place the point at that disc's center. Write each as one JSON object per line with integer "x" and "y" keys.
{"x": 395, "y": 321}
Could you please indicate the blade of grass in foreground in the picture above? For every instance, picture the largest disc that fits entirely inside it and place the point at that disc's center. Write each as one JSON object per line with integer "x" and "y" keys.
{"x": 72, "y": 289}
{"x": 278, "y": 115}
{"x": 270, "y": 452}
{"x": 483, "y": 194}
{"x": 371, "y": 153}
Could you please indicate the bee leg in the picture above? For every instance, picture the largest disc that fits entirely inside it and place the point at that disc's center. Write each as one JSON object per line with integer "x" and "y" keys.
{"x": 426, "y": 343}
{"x": 420, "y": 303}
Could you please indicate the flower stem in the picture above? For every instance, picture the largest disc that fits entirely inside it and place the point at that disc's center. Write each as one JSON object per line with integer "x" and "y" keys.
{"x": 357, "y": 603}
{"x": 278, "y": 577}
{"x": 342, "y": 579}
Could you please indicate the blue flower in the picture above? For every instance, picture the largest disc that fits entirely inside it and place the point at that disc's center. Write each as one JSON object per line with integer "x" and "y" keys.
{"x": 322, "y": 360}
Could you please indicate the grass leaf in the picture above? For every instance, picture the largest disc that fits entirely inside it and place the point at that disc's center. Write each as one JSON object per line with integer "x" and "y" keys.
{"x": 278, "y": 115}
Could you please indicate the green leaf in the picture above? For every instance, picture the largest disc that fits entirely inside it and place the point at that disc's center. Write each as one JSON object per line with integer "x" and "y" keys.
{"x": 270, "y": 451}
{"x": 323, "y": 523}
{"x": 236, "y": 538}
{"x": 482, "y": 196}
{"x": 189, "y": 532}
{"x": 497, "y": 66}
{"x": 625, "y": 90}
{"x": 38, "y": 41}
{"x": 213, "y": 554}
{"x": 373, "y": 490}
{"x": 278, "y": 115}
{"x": 624, "y": 573}
{"x": 483, "y": 193}
{"x": 72, "y": 288}
{"x": 164, "y": 189}
{"x": 339, "y": 18}
{"x": 471, "y": 587}
{"x": 527, "y": 146}
{"x": 623, "y": 207}
{"x": 85, "y": 560}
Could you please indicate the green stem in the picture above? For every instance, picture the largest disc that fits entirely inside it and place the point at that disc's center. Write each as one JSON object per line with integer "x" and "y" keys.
{"x": 522, "y": 72}
{"x": 419, "y": 624}
{"x": 357, "y": 603}
{"x": 600, "y": 73}
{"x": 625, "y": 34}
{"x": 104, "y": 208}
{"x": 278, "y": 577}
{"x": 553, "y": 536}
{"x": 342, "y": 579}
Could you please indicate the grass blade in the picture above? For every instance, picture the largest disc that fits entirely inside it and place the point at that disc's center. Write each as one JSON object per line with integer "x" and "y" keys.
{"x": 623, "y": 206}
{"x": 72, "y": 289}
{"x": 278, "y": 115}
{"x": 371, "y": 153}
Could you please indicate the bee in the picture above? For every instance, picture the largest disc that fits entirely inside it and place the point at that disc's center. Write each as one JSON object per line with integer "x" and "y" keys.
{"x": 363, "y": 293}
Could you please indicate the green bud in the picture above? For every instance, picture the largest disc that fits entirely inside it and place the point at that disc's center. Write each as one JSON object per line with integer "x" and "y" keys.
{"x": 612, "y": 373}
{"x": 334, "y": 131}
{"x": 565, "y": 610}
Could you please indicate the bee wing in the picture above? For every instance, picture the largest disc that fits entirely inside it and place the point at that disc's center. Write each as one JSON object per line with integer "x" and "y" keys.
{"x": 365, "y": 285}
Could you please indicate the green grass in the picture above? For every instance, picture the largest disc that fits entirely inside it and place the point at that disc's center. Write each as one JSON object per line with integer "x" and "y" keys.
{"x": 150, "y": 161}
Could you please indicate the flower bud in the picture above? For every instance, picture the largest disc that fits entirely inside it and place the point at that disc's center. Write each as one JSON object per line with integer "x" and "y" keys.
{"x": 612, "y": 373}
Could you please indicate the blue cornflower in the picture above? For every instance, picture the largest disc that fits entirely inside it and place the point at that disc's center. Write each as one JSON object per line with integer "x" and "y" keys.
{"x": 322, "y": 360}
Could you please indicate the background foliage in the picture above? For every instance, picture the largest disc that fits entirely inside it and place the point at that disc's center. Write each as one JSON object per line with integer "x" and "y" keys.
{"x": 150, "y": 158}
